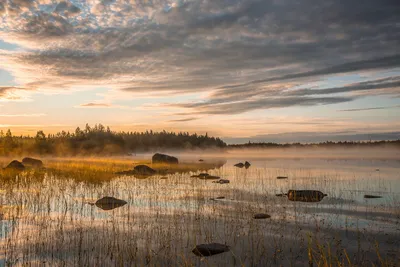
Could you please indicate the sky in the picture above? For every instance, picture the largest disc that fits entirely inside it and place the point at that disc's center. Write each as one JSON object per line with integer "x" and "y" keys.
{"x": 243, "y": 70}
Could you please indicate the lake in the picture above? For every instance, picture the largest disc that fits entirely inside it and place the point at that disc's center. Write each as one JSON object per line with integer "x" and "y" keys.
{"x": 48, "y": 217}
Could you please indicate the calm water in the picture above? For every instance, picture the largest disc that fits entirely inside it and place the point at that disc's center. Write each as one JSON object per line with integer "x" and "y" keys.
{"x": 48, "y": 221}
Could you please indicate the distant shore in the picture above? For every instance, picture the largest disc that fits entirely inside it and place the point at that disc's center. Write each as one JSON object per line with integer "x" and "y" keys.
{"x": 102, "y": 141}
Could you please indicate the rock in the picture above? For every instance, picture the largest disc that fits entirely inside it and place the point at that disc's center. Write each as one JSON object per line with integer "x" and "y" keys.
{"x": 144, "y": 170}
{"x": 162, "y": 158}
{"x": 305, "y": 195}
{"x": 201, "y": 160}
{"x": 217, "y": 198}
{"x": 239, "y": 165}
{"x": 372, "y": 196}
{"x": 204, "y": 250}
{"x": 37, "y": 163}
{"x": 209, "y": 177}
{"x": 222, "y": 181}
{"x": 281, "y": 177}
{"x": 110, "y": 203}
{"x": 200, "y": 175}
{"x": 261, "y": 216}
{"x": 247, "y": 164}
{"x": 15, "y": 165}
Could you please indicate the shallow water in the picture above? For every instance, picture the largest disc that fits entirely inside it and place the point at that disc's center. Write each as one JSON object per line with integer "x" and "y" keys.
{"x": 48, "y": 221}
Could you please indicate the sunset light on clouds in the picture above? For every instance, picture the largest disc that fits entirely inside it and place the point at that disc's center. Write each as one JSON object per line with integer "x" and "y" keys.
{"x": 240, "y": 69}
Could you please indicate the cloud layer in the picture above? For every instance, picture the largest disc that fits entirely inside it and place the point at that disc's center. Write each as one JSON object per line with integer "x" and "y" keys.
{"x": 245, "y": 54}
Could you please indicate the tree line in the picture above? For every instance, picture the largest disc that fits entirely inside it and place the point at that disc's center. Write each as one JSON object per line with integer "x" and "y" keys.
{"x": 326, "y": 144}
{"x": 101, "y": 140}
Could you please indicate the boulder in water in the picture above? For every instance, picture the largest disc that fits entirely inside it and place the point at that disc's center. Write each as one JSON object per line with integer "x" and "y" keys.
{"x": 15, "y": 165}
{"x": 305, "y": 195}
{"x": 110, "y": 203}
{"x": 163, "y": 158}
{"x": 37, "y": 163}
{"x": 205, "y": 250}
{"x": 281, "y": 177}
{"x": 239, "y": 165}
{"x": 247, "y": 164}
{"x": 222, "y": 181}
{"x": 203, "y": 175}
{"x": 140, "y": 171}
{"x": 200, "y": 175}
{"x": 372, "y": 196}
{"x": 144, "y": 170}
{"x": 261, "y": 216}
{"x": 209, "y": 177}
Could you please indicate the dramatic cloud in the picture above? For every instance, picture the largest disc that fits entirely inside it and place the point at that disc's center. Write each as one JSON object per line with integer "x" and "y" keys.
{"x": 381, "y": 85}
{"x": 263, "y": 103}
{"x": 367, "y": 109}
{"x": 244, "y": 54}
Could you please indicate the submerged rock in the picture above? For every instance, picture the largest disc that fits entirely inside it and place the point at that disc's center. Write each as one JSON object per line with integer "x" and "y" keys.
{"x": 247, "y": 164}
{"x": 372, "y": 196}
{"x": 209, "y": 177}
{"x": 163, "y": 158}
{"x": 205, "y": 250}
{"x": 305, "y": 195}
{"x": 203, "y": 175}
{"x": 201, "y": 160}
{"x": 239, "y": 165}
{"x": 37, "y": 163}
{"x": 200, "y": 175}
{"x": 110, "y": 203}
{"x": 217, "y": 198}
{"x": 144, "y": 170}
{"x": 261, "y": 216}
{"x": 15, "y": 165}
{"x": 222, "y": 181}
{"x": 140, "y": 171}
{"x": 281, "y": 177}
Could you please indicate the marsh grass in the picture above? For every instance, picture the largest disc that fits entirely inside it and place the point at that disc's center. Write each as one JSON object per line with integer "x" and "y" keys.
{"x": 47, "y": 219}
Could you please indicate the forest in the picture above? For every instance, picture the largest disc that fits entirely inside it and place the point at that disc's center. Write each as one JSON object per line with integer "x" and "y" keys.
{"x": 101, "y": 140}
